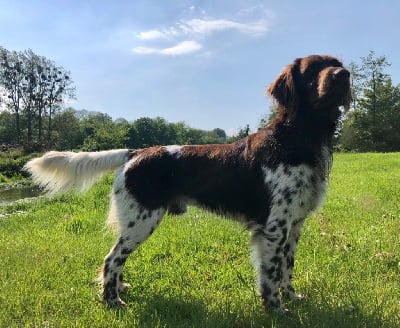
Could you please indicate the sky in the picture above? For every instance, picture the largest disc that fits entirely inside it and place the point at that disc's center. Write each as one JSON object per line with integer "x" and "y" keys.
{"x": 206, "y": 63}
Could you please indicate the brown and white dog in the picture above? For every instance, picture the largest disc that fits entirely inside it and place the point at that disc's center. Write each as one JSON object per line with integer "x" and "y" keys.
{"x": 271, "y": 180}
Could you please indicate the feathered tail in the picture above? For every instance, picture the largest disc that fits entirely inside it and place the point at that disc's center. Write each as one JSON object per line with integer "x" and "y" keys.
{"x": 60, "y": 172}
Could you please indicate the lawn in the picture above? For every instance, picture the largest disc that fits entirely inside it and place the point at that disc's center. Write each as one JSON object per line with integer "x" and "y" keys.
{"x": 195, "y": 270}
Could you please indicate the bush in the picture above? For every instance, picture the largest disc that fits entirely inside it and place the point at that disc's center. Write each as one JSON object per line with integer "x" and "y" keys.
{"x": 11, "y": 163}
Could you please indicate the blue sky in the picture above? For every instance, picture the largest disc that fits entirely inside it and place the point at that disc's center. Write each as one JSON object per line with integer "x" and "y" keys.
{"x": 206, "y": 63}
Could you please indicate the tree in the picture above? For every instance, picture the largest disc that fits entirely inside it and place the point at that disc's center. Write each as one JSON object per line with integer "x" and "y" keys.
{"x": 7, "y": 128}
{"x": 372, "y": 123}
{"x": 67, "y": 132}
{"x": 11, "y": 78}
{"x": 100, "y": 132}
{"x": 265, "y": 120}
{"x": 34, "y": 89}
{"x": 243, "y": 132}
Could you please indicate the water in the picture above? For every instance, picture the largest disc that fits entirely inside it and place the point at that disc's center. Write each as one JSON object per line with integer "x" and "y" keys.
{"x": 19, "y": 192}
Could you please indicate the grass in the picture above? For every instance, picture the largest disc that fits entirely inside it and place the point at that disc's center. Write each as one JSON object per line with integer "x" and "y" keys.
{"x": 195, "y": 270}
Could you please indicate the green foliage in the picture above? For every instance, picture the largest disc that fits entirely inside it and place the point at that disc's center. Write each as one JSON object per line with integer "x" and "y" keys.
{"x": 67, "y": 132}
{"x": 372, "y": 124}
{"x": 194, "y": 271}
{"x": 11, "y": 163}
{"x": 273, "y": 113}
{"x": 8, "y": 134}
{"x": 145, "y": 132}
{"x": 93, "y": 131}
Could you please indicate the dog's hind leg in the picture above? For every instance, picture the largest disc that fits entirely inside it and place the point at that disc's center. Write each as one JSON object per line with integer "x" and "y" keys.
{"x": 136, "y": 224}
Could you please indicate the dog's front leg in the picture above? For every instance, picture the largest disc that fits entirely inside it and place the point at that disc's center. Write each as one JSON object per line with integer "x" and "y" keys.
{"x": 289, "y": 250}
{"x": 268, "y": 243}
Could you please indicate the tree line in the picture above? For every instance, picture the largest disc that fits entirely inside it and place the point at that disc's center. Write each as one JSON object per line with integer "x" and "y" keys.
{"x": 34, "y": 92}
{"x": 93, "y": 131}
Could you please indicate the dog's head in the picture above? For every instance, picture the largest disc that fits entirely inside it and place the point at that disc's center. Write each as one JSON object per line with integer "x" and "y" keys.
{"x": 317, "y": 85}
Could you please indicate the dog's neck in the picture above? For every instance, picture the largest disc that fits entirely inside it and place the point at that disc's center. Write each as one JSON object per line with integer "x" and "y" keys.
{"x": 319, "y": 126}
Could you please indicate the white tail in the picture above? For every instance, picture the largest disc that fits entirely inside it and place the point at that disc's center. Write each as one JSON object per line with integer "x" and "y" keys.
{"x": 59, "y": 172}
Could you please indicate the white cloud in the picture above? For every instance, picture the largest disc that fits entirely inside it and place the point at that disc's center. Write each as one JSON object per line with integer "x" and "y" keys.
{"x": 198, "y": 30}
{"x": 144, "y": 50}
{"x": 182, "y": 48}
{"x": 204, "y": 27}
{"x": 150, "y": 35}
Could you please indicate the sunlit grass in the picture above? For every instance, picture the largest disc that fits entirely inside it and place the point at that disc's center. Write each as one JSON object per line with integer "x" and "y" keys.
{"x": 195, "y": 270}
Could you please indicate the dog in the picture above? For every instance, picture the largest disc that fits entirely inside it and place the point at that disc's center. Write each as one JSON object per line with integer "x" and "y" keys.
{"x": 271, "y": 180}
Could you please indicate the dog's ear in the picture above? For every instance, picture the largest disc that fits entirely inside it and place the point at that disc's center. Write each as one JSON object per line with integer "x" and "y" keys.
{"x": 284, "y": 90}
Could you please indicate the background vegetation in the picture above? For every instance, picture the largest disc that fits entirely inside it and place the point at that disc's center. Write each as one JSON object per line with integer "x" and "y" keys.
{"x": 194, "y": 271}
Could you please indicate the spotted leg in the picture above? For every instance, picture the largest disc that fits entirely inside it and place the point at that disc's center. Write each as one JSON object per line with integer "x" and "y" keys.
{"x": 267, "y": 244}
{"x": 133, "y": 231}
{"x": 289, "y": 250}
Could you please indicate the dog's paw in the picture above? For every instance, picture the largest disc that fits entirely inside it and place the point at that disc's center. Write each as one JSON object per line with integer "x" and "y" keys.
{"x": 275, "y": 306}
{"x": 124, "y": 287}
{"x": 297, "y": 297}
{"x": 115, "y": 303}
{"x": 281, "y": 310}
{"x": 290, "y": 295}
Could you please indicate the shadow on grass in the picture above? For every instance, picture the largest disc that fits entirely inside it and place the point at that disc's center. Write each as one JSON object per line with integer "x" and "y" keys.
{"x": 173, "y": 311}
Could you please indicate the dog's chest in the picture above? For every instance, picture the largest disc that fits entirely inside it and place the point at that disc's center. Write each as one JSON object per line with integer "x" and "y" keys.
{"x": 295, "y": 191}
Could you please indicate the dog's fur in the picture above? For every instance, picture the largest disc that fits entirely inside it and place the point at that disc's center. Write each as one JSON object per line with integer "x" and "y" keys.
{"x": 271, "y": 180}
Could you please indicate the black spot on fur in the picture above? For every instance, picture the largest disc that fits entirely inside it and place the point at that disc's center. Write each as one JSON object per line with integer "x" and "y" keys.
{"x": 287, "y": 171}
{"x": 126, "y": 251}
{"x": 110, "y": 290}
{"x": 269, "y": 272}
{"x": 119, "y": 261}
{"x": 287, "y": 195}
{"x": 276, "y": 259}
{"x": 131, "y": 224}
{"x": 290, "y": 262}
{"x": 282, "y": 223}
{"x": 266, "y": 291}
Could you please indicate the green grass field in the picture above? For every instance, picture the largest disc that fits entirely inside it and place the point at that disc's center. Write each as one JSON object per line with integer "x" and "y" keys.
{"x": 195, "y": 270}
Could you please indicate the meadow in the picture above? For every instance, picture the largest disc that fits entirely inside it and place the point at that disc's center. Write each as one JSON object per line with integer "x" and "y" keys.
{"x": 195, "y": 270}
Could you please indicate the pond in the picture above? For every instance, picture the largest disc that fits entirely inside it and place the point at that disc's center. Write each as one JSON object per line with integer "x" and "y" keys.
{"x": 19, "y": 192}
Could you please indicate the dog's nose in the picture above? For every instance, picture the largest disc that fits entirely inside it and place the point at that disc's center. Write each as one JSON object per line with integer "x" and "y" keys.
{"x": 341, "y": 73}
